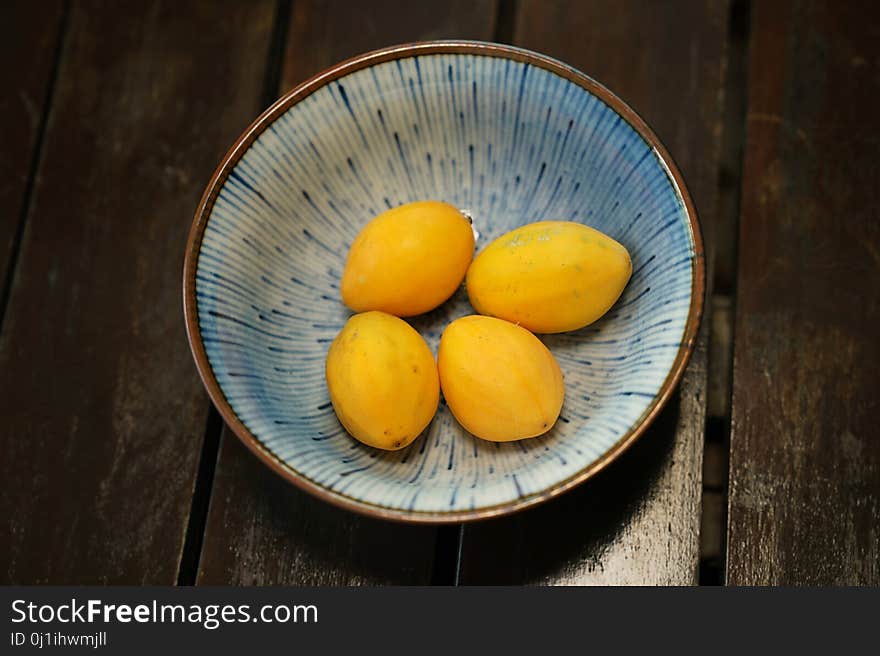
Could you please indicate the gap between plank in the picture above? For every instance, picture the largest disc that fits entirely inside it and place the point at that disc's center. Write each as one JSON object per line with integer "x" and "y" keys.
{"x": 278, "y": 44}
{"x": 447, "y": 555}
{"x": 505, "y": 21}
{"x": 191, "y": 554}
{"x": 36, "y": 161}
{"x": 713, "y": 525}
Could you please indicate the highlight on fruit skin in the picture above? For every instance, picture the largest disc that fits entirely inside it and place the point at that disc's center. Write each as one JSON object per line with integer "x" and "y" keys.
{"x": 499, "y": 380}
{"x": 408, "y": 260}
{"x": 549, "y": 276}
{"x": 383, "y": 380}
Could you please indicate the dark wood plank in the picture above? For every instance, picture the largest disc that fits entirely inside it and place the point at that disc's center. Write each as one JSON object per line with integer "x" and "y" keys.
{"x": 103, "y": 413}
{"x": 261, "y": 530}
{"x": 29, "y": 32}
{"x": 805, "y": 461}
{"x": 323, "y": 32}
{"x": 638, "y": 521}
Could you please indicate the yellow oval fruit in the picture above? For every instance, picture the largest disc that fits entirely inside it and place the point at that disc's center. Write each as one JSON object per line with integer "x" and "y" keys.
{"x": 549, "y": 276}
{"x": 499, "y": 380}
{"x": 383, "y": 380}
{"x": 408, "y": 260}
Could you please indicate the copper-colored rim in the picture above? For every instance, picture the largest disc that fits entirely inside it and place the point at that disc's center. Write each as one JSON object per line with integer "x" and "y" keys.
{"x": 363, "y": 61}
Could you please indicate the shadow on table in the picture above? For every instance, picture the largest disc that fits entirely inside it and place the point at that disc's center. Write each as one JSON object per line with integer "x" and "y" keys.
{"x": 262, "y": 530}
{"x": 571, "y": 538}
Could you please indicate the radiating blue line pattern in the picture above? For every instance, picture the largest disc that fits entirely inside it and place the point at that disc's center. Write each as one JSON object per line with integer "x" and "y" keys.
{"x": 509, "y": 142}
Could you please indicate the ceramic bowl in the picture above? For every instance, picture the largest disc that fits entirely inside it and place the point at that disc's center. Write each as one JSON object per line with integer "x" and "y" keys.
{"x": 507, "y": 134}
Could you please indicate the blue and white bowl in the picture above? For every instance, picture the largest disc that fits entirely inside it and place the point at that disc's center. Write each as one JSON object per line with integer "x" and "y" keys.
{"x": 512, "y": 137}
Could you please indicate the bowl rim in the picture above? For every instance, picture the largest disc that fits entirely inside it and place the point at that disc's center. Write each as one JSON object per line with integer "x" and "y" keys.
{"x": 306, "y": 88}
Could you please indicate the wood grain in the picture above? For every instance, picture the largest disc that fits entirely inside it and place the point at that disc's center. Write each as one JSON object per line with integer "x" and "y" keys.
{"x": 29, "y": 32}
{"x": 103, "y": 411}
{"x": 261, "y": 530}
{"x": 805, "y": 462}
{"x": 638, "y": 521}
{"x": 324, "y": 32}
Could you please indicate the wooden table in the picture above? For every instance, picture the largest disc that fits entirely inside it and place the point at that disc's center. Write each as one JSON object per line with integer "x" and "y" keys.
{"x": 115, "y": 469}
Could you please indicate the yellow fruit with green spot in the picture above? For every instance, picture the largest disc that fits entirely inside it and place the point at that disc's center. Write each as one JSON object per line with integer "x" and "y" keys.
{"x": 549, "y": 276}
{"x": 383, "y": 380}
{"x": 408, "y": 260}
{"x": 499, "y": 380}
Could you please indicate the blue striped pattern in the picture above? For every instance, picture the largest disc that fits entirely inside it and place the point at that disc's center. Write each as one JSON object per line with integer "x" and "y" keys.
{"x": 509, "y": 142}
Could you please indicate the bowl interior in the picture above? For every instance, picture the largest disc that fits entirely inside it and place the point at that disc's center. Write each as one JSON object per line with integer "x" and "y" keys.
{"x": 511, "y": 142}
